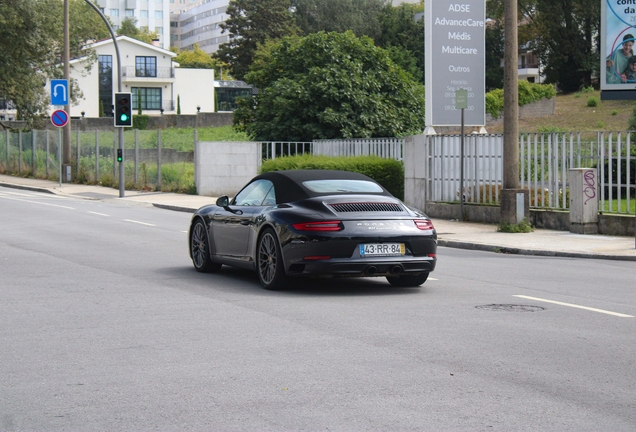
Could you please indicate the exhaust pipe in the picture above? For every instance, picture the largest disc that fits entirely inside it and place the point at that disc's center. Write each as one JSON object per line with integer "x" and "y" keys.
{"x": 371, "y": 270}
{"x": 395, "y": 270}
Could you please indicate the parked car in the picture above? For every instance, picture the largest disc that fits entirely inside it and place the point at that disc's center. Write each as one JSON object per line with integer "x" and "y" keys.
{"x": 298, "y": 223}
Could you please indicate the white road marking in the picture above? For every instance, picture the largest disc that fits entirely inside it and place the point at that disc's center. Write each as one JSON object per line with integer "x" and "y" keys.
{"x": 37, "y": 202}
{"x": 140, "y": 223}
{"x": 576, "y": 306}
{"x": 99, "y": 214}
{"x": 37, "y": 195}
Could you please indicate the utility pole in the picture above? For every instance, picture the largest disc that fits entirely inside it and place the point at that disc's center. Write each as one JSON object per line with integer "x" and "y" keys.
{"x": 514, "y": 201}
{"x": 66, "y": 145}
{"x": 122, "y": 191}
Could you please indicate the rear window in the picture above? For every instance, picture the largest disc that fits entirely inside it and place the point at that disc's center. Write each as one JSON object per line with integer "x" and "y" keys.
{"x": 342, "y": 186}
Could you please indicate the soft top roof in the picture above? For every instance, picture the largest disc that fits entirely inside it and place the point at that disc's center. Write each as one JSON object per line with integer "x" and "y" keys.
{"x": 289, "y": 184}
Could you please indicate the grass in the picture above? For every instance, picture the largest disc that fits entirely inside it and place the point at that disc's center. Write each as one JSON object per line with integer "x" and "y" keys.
{"x": 573, "y": 115}
{"x": 614, "y": 207}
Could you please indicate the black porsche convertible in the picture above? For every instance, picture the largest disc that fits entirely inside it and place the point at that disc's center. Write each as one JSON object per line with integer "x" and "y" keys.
{"x": 287, "y": 224}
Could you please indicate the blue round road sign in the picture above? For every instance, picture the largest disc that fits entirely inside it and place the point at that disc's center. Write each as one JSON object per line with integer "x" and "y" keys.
{"x": 59, "y": 118}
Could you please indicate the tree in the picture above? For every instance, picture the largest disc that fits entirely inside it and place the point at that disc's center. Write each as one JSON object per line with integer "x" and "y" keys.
{"x": 329, "y": 85}
{"x": 360, "y": 16}
{"x": 400, "y": 32}
{"x": 250, "y": 23}
{"x": 494, "y": 55}
{"x": 31, "y": 37}
{"x": 563, "y": 34}
{"x": 568, "y": 44}
{"x": 129, "y": 28}
{"x": 196, "y": 59}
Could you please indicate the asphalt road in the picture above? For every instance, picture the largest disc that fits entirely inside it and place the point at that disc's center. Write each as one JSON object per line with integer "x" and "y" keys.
{"x": 105, "y": 325}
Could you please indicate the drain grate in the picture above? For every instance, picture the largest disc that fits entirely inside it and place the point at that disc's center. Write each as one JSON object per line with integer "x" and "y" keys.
{"x": 511, "y": 308}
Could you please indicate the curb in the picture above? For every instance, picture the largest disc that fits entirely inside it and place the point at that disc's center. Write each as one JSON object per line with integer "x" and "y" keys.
{"x": 532, "y": 252}
{"x": 31, "y": 188}
{"x": 174, "y": 208}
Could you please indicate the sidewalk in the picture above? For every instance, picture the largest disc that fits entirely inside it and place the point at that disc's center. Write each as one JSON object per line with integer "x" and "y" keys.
{"x": 464, "y": 235}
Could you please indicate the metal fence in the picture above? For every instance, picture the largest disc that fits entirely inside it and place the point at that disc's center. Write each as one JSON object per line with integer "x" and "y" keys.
{"x": 390, "y": 148}
{"x": 544, "y": 162}
{"x": 148, "y": 164}
{"x": 545, "y": 159}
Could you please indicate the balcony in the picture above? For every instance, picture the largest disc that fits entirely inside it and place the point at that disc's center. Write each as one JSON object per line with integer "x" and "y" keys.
{"x": 156, "y": 75}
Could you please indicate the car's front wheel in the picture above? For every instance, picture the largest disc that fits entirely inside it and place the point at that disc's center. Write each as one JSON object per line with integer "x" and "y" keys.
{"x": 269, "y": 261}
{"x": 408, "y": 280}
{"x": 200, "y": 249}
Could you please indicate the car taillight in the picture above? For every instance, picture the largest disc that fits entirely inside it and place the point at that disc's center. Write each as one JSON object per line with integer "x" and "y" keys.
{"x": 318, "y": 226}
{"x": 424, "y": 224}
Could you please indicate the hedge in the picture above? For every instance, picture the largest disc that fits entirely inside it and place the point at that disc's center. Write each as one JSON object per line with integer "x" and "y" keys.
{"x": 388, "y": 172}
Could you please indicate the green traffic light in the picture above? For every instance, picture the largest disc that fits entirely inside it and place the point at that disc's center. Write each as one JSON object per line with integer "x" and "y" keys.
{"x": 123, "y": 117}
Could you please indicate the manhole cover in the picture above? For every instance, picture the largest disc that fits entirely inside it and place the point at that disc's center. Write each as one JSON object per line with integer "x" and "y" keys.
{"x": 511, "y": 308}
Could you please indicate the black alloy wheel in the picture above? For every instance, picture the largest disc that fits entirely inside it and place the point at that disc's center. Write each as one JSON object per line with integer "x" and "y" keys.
{"x": 408, "y": 280}
{"x": 200, "y": 249}
{"x": 269, "y": 261}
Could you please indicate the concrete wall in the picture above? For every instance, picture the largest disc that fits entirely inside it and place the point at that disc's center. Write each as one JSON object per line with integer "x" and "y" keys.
{"x": 154, "y": 122}
{"x": 621, "y": 225}
{"x": 223, "y": 168}
{"x": 541, "y": 108}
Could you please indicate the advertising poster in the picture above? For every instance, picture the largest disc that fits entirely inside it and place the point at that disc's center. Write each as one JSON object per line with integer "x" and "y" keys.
{"x": 455, "y": 59}
{"x": 618, "y": 59}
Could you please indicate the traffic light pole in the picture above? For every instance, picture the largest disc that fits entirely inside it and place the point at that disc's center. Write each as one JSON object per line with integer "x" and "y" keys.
{"x": 119, "y": 75}
{"x": 66, "y": 143}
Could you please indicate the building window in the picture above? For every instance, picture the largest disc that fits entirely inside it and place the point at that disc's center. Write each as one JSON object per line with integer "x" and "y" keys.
{"x": 114, "y": 12}
{"x": 146, "y": 66}
{"x": 143, "y": 13}
{"x": 149, "y": 97}
{"x": 158, "y": 14}
{"x": 105, "y": 68}
{"x": 130, "y": 12}
{"x": 159, "y": 30}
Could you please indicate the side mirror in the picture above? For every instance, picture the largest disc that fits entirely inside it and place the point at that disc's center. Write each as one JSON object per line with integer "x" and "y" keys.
{"x": 223, "y": 201}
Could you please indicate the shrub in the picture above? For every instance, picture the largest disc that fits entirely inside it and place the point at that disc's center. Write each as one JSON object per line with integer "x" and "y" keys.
{"x": 528, "y": 93}
{"x": 521, "y": 227}
{"x": 592, "y": 101}
{"x": 140, "y": 121}
{"x": 388, "y": 172}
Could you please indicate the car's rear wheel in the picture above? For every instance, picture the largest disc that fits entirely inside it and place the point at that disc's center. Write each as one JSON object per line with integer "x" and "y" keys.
{"x": 408, "y": 280}
{"x": 200, "y": 249}
{"x": 269, "y": 261}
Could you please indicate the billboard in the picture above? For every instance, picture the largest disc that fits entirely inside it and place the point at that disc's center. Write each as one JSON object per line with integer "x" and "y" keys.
{"x": 618, "y": 62}
{"x": 455, "y": 59}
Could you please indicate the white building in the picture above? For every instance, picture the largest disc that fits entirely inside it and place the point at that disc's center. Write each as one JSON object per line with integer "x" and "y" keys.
{"x": 149, "y": 73}
{"x": 151, "y": 14}
{"x": 198, "y": 22}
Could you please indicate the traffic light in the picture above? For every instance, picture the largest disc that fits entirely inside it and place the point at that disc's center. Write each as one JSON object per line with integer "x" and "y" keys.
{"x": 120, "y": 155}
{"x": 123, "y": 109}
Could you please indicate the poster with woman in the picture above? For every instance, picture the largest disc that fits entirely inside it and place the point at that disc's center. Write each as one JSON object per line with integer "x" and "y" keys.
{"x": 618, "y": 34}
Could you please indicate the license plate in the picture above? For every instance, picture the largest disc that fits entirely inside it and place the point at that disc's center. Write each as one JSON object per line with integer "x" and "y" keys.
{"x": 382, "y": 249}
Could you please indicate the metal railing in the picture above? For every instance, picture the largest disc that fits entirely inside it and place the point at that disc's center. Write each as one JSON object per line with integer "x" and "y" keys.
{"x": 159, "y": 72}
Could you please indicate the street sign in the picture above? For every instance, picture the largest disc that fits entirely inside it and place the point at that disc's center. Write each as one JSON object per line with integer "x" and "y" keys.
{"x": 461, "y": 98}
{"x": 59, "y": 118}
{"x": 59, "y": 92}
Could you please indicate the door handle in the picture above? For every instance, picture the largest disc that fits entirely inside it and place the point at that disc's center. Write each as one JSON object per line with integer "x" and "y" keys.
{"x": 245, "y": 221}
